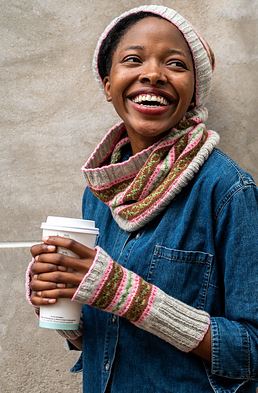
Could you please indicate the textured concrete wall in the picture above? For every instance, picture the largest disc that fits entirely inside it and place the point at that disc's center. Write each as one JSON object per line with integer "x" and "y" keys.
{"x": 53, "y": 114}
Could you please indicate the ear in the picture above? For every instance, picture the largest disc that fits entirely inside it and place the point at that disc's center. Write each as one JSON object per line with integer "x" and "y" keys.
{"x": 107, "y": 86}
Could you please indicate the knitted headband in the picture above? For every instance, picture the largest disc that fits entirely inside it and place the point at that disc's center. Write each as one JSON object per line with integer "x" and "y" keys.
{"x": 203, "y": 57}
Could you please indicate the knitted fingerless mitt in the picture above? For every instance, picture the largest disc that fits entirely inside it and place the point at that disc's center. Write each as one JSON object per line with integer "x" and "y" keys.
{"x": 111, "y": 287}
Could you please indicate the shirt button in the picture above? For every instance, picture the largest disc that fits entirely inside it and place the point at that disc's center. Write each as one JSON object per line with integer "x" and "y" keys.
{"x": 114, "y": 318}
{"x": 138, "y": 235}
{"x": 107, "y": 366}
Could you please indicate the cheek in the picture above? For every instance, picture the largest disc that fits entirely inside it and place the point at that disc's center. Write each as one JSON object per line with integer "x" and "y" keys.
{"x": 188, "y": 90}
{"x": 191, "y": 88}
{"x": 185, "y": 88}
{"x": 117, "y": 88}
{"x": 121, "y": 78}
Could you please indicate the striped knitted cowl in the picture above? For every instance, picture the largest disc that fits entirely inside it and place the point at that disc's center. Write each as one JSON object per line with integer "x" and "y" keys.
{"x": 139, "y": 188}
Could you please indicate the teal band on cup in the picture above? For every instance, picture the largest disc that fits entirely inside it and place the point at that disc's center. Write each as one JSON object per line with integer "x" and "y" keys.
{"x": 59, "y": 326}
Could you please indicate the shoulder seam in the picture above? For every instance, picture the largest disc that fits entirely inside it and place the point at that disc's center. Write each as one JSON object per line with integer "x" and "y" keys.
{"x": 244, "y": 177}
{"x": 229, "y": 195}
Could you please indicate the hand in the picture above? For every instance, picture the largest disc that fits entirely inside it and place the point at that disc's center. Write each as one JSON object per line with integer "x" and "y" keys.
{"x": 52, "y": 277}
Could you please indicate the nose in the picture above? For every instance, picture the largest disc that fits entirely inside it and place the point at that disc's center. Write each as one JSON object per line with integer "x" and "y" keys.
{"x": 153, "y": 74}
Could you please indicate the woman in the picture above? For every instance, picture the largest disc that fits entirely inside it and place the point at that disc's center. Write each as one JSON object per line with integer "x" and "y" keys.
{"x": 169, "y": 289}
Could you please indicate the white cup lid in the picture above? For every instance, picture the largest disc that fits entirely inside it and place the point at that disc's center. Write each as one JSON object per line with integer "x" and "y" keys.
{"x": 66, "y": 222}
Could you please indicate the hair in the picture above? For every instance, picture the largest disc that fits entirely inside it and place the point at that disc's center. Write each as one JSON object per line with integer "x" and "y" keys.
{"x": 111, "y": 42}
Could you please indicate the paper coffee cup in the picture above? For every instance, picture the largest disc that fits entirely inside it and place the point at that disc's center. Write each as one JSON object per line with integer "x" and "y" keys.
{"x": 65, "y": 314}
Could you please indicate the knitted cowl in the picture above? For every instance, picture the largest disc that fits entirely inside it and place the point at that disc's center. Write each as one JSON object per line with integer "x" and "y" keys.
{"x": 139, "y": 188}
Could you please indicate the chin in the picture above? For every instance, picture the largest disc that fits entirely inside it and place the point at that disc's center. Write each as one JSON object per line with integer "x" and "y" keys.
{"x": 154, "y": 132}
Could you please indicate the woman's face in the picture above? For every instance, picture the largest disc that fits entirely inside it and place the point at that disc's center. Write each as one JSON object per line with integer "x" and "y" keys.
{"x": 151, "y": 81}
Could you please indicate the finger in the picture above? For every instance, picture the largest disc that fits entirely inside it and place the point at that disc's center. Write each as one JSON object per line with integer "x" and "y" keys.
{"x": 80, "y": 249}
{"x": 38, "y": 285}
{"x": 41, "y": 301}
{"x": 61, "y": 277}
{"x": 80, "y": 265}
{"x": 38, "y": 267}
{"x": 57, "y": 293}
{"x": 62, "y": 268}
{"x": 42, "y": 248}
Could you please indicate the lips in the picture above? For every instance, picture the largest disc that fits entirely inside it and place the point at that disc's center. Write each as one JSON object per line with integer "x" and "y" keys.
{"x": 152, "y": 98}
{"x": 151, "y": 101}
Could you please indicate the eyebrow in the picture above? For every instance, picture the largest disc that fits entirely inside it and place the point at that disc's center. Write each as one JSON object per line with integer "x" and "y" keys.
{"x": 170, "y": 51}
{"x": 135, "y": 47}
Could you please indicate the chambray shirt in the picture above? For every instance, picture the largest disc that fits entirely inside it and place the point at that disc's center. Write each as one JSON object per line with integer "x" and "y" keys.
{"x": 202, "y": 250}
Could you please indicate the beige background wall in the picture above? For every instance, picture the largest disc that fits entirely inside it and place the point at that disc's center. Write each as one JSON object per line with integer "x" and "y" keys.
{"x": 53, "y": 114}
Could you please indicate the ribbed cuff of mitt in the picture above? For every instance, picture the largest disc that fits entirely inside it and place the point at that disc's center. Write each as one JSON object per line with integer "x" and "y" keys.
{"x": 112, "y": 288}
{"x": 68, "y": 334}
{"x": 28, "y": 290}
{"x": 71, "y": 334}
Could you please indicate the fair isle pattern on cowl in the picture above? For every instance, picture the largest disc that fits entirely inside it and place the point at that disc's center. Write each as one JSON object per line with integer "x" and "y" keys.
{"x": 138, "y": 189}
{"x": 112, "y": 288}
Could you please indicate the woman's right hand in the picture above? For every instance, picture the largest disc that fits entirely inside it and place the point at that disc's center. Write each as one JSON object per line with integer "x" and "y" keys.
{"x": 38, "y": 268}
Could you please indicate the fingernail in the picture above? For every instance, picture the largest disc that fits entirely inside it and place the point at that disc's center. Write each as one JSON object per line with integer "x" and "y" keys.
{"x": 39, "y": 293}
{"x": 61, "y": 268}
{"x": 51, "y": 248}
{"x": 59, "y": 285}
{"x": 51, "y": 301}
{"x": 37, "y": 258}
{"x": 45, "y": 238}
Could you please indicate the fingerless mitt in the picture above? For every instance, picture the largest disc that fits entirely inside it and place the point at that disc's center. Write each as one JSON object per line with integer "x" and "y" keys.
{"x": 112, "y": 288}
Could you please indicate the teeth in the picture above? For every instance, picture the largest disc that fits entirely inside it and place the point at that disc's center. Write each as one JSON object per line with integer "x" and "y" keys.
{"x": 151, "y": 98}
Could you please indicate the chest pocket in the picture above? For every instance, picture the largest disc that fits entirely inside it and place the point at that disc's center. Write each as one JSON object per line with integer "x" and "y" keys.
{"x": 182, "y": 274}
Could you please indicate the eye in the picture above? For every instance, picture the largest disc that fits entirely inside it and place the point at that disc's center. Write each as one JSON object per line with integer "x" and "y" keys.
{"x": 131, "y": 59}
{"x": 178, "y": 64}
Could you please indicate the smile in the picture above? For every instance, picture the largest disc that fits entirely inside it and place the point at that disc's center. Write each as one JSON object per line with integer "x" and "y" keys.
{"x": 150, "y": 100}
{"x": 153, "y": 108}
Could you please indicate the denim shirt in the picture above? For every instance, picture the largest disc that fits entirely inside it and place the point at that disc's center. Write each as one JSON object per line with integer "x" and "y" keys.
{"x": 202, "y": 249}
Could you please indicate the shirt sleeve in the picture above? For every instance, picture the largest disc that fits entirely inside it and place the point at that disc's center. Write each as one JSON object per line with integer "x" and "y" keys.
{"x": 235, "y": 334}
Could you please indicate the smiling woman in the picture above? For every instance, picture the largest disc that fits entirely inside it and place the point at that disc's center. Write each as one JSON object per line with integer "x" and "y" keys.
{"x": 163, "y": 308}
{"x": 152, "y": 63}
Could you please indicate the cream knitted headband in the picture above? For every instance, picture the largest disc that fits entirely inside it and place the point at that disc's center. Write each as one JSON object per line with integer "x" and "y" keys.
{"x": 202, "y": 55}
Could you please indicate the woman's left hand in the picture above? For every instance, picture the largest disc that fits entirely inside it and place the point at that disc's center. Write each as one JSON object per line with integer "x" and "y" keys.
{"x": 70, "y": 270}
